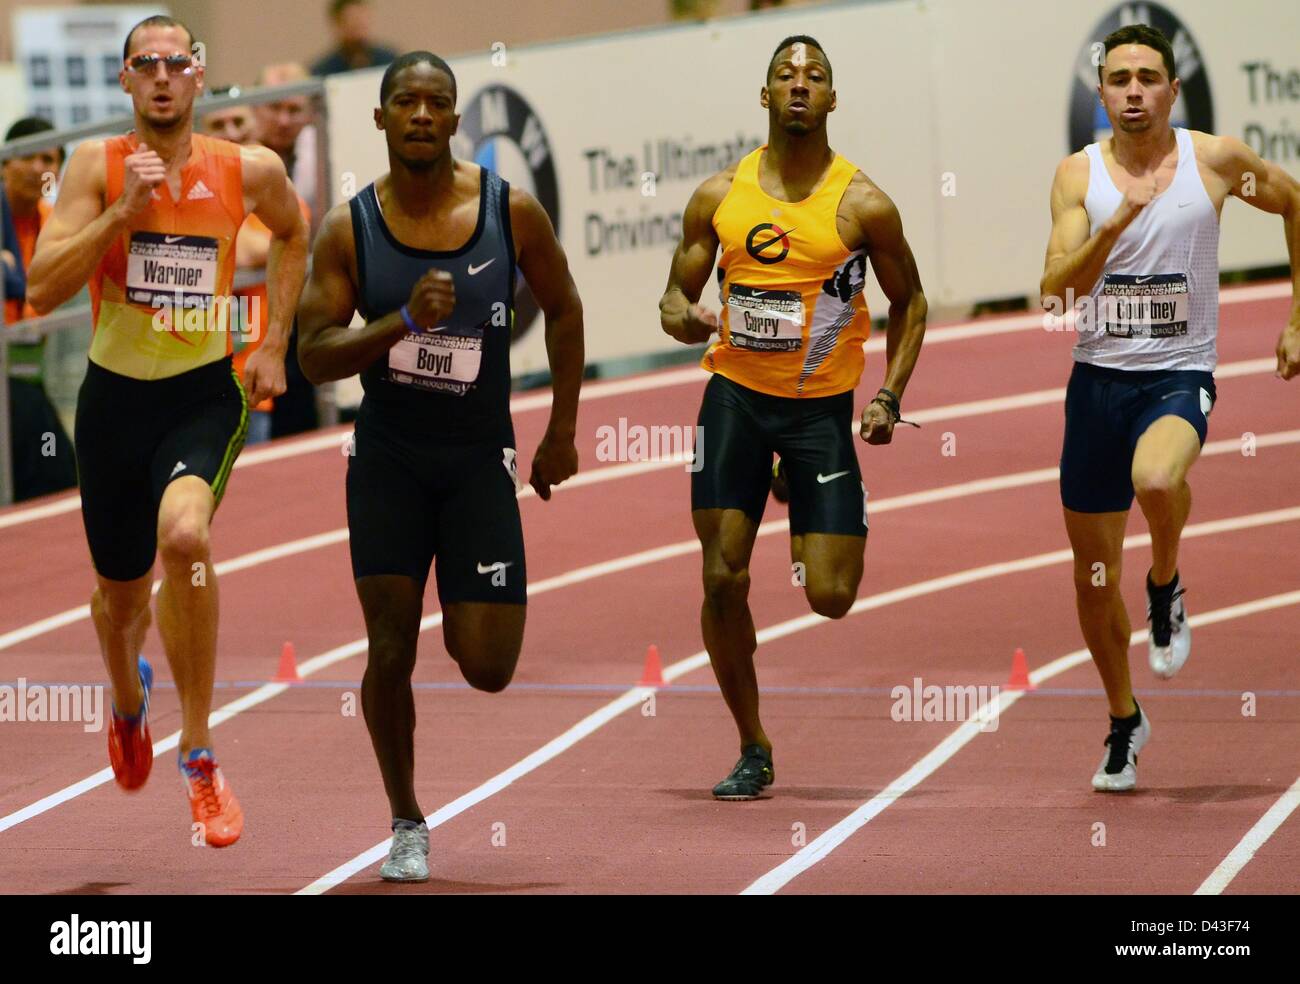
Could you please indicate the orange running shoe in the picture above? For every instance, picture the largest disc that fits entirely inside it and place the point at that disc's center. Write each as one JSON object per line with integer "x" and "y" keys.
{"x": 130, "y": 749}
{"x": 212, "y": 802}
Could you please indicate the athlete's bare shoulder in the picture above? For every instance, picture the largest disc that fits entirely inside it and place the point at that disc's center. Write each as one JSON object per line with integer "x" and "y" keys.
{"x": 335, "y": 242}
{"x": 85, "y": 170}
{"x": 260, "y": 166}
{"x": 1222, "y": 154}
{"x": 866, "y": 199}
{"x": 1071, "y": 179}
{"x": 714, "y": 188}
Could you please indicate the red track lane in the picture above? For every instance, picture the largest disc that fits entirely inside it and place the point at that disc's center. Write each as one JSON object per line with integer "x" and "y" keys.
{"x": 632, "y": 781}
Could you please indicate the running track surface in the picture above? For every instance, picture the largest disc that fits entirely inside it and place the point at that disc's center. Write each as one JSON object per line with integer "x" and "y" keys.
{"x": 622, "y": 804}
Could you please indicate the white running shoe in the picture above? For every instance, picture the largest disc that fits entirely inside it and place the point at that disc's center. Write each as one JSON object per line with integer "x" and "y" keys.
{"x": 1170, "y": 641}
{"x": 408, "y": 858}
{"x": 1118, "y": 770}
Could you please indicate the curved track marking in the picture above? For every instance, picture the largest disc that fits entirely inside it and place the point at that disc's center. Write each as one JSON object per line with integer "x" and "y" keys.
{"x": 821, "y": 846}
{"x": 634, "y": 696}
{"x": 961, "y": 331}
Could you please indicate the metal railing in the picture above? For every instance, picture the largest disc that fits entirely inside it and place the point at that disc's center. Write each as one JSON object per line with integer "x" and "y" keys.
{"x": 34, "y": 330}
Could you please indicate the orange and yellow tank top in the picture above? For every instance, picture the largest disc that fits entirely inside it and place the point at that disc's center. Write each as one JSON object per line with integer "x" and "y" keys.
{"x": 794, "y": 318}
{"x": 161, "y": 295}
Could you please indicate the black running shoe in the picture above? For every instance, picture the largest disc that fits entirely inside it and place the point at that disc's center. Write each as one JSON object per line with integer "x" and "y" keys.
{"x": 747, "y": 779}
{"x": 780, "y": 483}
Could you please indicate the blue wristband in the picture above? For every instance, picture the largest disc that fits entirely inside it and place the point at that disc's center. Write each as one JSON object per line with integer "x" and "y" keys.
{"x": 406, "y": 316}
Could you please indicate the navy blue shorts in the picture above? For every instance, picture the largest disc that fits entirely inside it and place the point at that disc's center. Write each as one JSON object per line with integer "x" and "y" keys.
{"x": 1106, "y": 412}
{"x": 740, "y": 429}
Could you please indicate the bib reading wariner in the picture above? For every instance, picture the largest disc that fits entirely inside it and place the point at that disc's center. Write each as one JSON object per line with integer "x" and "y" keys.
{"x": 1156, "y": 304}
{"x": 176, "y": 258}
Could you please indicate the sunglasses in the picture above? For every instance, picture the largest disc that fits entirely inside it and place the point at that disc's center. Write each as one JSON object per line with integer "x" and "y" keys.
{"x": 146, "y": 63}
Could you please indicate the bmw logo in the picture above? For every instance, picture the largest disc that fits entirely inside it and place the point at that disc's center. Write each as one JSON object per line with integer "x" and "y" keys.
{"x": 500, "y": 131}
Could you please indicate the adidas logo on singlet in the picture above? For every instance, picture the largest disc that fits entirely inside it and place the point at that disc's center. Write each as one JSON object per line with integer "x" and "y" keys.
{"x": 200, "y": 190}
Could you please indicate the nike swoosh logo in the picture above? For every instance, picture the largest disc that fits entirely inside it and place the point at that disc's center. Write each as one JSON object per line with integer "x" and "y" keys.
{"x": 1183, "y": 204}
{"x": 759, "y": 247}
{"x": 500, "y": 565}
{"x": 475, "y": 270}
{"x": 823, "y": 479}
{"x": 1142, "y": 280}
{"x": 172, "y": 239}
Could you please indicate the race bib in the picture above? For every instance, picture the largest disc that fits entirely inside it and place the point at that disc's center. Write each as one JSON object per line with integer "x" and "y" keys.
{"x": 163, "y": 270}
{"x": 764, "y": 320}
{"x": 440, "y": 361}
{"x": 1154, "y": 306}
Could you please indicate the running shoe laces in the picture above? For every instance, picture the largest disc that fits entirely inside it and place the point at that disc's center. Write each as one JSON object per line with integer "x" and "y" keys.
{"x": 1119, "y": 740}
{"x": 203, "y": 786}
{"x": 408, "y": 843}
{"x": 1161, "y": 614}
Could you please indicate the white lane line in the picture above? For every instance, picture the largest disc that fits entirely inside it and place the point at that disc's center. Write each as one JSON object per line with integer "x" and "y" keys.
{"x": 579, "y": 575}
{"x": 942, "y": 493}
{"x": 634, "y": 696}
{"x": 824, "y": 844}
{"x": 1240, "y": 855}
{"x": 962, "y": 331}
{"x": 928, "y": 415}
{"x": 242, "y": 562}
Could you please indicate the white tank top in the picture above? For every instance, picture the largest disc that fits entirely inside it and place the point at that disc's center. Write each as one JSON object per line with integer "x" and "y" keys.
{"x": 1156, "y": 302}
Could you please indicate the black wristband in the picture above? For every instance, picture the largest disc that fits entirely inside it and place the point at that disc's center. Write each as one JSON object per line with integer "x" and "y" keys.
{"x": 890, "y": 402}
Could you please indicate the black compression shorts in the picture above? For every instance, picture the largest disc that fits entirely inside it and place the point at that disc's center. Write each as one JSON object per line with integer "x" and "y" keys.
{"x": 739, "y": 431}
{"x": 134, "y": 437}
{"x": 409, "y": 503}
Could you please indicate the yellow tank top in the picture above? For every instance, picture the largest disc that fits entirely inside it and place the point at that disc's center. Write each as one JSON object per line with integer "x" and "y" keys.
{"x": 161, "y": 295}
{"x": 794, "y": 317}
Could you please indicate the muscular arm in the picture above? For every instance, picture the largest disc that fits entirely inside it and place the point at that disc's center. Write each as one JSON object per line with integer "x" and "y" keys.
{"x": 276, "y": 204}
{"x": 1270, "y": 189}
{"x": 78, "y": 233}
{"x": 327, "y": 348}
{"x": 692, "y": 263}
{"x": 1074, "y": 258}
{"x": 891, "y": 257}
{"x": 546, "y": 268}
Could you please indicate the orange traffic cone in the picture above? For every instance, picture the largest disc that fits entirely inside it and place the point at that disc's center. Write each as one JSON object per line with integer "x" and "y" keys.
{"x": 653, "y": 674}
{"x": 1020, "y": 673}
{"x": 288, "y": 672}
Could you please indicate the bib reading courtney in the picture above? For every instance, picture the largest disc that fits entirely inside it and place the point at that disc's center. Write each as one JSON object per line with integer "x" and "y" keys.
{"x": 1153, "y": 306}
{"x": 765, "y": 320}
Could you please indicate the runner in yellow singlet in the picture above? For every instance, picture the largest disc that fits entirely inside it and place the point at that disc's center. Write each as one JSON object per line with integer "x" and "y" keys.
{"x": 797, "y": 224}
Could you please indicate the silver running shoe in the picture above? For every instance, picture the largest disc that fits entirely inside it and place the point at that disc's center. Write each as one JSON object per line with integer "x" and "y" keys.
{"x": 1170, "y": 641}
{"x": 1118, "y": 770}
{"x": 408, "y": 858}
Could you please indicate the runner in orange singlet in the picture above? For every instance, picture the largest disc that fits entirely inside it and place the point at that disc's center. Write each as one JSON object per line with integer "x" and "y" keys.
{"x": 150, "y": 220}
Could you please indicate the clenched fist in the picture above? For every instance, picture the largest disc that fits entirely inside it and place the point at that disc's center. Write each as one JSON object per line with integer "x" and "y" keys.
{"x": 432, "y": 298}
{"x": 145, "y": 171}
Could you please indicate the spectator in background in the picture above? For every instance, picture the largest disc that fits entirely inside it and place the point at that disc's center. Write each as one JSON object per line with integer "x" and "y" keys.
{"x": 10, "y": 262}
{"x": 252, "y": 244}
{"x": 351, "y": 23}
{"x": 285, "y": 126}
{"x": 42, "y": 452}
